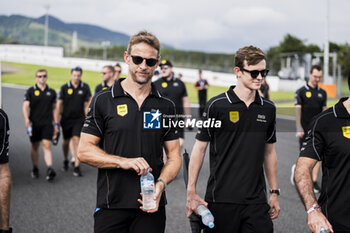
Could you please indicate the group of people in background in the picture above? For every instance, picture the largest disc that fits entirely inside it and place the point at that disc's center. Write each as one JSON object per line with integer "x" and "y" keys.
{"x": 107, "y": 132}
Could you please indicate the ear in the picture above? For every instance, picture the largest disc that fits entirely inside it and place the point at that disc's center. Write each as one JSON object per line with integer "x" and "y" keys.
{"x": 237, "y": 70}
{"x": 126, "y": 57}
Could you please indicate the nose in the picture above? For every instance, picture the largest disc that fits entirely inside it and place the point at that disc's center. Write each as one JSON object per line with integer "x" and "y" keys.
{"x": 143, "y": 65}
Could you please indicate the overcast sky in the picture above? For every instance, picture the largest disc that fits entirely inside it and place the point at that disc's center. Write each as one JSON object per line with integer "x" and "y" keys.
{"x": 214, "y": 26}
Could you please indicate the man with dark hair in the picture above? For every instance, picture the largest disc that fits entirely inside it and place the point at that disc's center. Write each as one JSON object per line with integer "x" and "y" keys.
{"x": 117, "y": 71}
{"x": 201, "y": 86}
{"x": 310, "y": 100}
{"x": 5, "y": 176}
{"x": 327, "y": 140}
{"x": 38, "y": 112}
{"x": 127, "y": 118}
{"x": 241, "y": 150}
{"x": 73, "y": 103}
{"x": 107, "y": 78}
{"x": 173, "y": 88}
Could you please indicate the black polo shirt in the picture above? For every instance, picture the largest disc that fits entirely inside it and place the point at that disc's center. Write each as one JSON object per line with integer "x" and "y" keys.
{"x": 237, "y": 148}
{"x": 101, "y": 86}
{"x": 4, "y": 137}
{"x": 126, "y": 130}
{"x": 202, "y": 94}
{"x": 73, "y": 100}
{"x": 312, "y": 101}
{"x": 41, "y": 104}
{"x": 328, "y": 140}
{"x": 174, "y": 89}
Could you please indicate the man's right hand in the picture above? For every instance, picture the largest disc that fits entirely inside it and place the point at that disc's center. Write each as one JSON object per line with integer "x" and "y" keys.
{"x": 316, "y": 220}
{"x": 27, "y": 123}
{"x": 139, "y": 164}
{"x": 193, "y": 201}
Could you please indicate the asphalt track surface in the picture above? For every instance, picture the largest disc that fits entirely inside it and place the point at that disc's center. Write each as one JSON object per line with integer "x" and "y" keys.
{"x": 67, "y": 204}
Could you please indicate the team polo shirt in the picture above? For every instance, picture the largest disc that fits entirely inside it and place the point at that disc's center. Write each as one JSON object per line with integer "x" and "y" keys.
{"x": 127, "y": 131}
{"x": 237, "y": 148}
{"x": 4, "y": 137}
{"x": 201, "y": 83}
{"x": 174, "y": 89}
{"x": 101, "y": 86}
{"x": 312, "y": 101}
{"x": 328, "y": 140}
{"x": 41, "y": 104}
{"x": 73, "y": 100}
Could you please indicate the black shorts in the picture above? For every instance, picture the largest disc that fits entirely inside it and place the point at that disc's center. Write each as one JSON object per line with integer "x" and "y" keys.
{"x": 71, "y": 128}
{"x": 129, "y": 221}
{"x": 40, "y": 132}
{"x": 236, "y": 218}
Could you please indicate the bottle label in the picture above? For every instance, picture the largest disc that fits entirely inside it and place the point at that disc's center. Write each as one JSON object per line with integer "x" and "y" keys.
{"x": 147, "y": 183}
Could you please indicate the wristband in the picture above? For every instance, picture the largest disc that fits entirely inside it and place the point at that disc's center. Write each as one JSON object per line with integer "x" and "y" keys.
{"x": 313, "y": 207}
{"x": 165, "y": 184}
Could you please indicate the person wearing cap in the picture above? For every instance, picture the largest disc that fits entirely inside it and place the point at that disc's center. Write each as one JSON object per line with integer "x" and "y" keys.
{"x": 173, "y": 88}
{"x": 310, "y": 100}
{"x": 73, "y": 102}
{"x": 127, "y": 118}
{"x": 327, "y": 140}
{"x": 108, "y": 80}
{"x": 5, "y": 175}
{"x": 117, "y": 71}
{"x": 201, "y": 86}
{"x": 241, "y": 152}
{"x": 38, "y": 112}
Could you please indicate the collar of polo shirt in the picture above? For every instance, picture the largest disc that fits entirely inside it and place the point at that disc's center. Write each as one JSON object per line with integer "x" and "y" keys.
{"x": 233, "y": 98}
{"x": 117, "y": 89}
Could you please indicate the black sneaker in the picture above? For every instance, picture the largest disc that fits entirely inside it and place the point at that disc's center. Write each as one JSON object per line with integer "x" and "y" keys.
{"x": 50, "y": 175}
{"x": 35, "y": 173}
{"x": 72, "y": 162}
{"x": 317, "y": 188}
{"x": 77, "y": 172}
{"x": 65, "y": 165}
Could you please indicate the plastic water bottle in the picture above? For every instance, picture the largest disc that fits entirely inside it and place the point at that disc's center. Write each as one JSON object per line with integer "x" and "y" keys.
{"x": 148, "y": 190}
{"x": 29, "y": 131}
{"x": 323, "y": 230}
{"x": 207, "y": 217}
{"x": 55, "y": 138}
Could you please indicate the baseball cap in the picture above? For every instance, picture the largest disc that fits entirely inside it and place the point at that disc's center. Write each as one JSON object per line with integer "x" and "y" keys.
{"x": 165, "y": 62}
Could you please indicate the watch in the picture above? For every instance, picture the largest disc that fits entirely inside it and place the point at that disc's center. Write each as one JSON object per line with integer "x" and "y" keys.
{"x": 277, "y": 191}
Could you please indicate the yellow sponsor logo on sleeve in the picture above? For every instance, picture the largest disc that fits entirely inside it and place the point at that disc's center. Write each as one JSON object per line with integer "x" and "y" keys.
{"x": 70, "y": 91}
{"x": 234, "y": 116}
{"x": 346, "y": 131}
{"x": 36, "y": 92}
{"x": 122, "y": 109}
{"x": 308, "y": 94}
{"x": 164, "y": 84}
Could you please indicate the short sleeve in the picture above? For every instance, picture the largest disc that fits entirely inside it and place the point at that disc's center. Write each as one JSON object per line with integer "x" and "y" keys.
{"x": 61, "y": 94}
{"x": 54, "y": 97}
{"x": 184, "y": 92}
{"x": 4, "y": 138}
{"x": 271, "y": 130}
{"x": 324, "y": 103}
{"x": 93, "y": 123}
{"x": 88, "y": 93}
{"x": 314, "y": 143}
{"x": 297, "y": 98}
{"x": 172, "y": 132}
{"x": 205, "y": 133}
{"x": 27, "y": 95}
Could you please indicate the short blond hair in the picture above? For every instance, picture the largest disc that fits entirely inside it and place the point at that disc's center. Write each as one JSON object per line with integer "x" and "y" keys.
{"x": 144, "y": 37}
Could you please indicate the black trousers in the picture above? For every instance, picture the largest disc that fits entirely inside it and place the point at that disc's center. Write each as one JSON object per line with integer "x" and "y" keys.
{"x": 129, "y": 221}
{"x": 234, "y": 218}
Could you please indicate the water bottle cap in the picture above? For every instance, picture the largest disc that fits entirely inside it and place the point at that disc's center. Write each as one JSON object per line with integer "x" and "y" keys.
{"x": 211, "y": 225}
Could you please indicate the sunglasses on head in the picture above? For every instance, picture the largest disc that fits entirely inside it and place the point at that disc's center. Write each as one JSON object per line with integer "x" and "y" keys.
{"x": 255, "y": 73}
{"x": 137, "y": 60}
{"x": 41, "y": 76}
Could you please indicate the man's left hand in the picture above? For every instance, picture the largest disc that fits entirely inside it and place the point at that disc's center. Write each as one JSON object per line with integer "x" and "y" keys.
{"x": 159, "y": 190}
{"x": 274, "y": 206}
